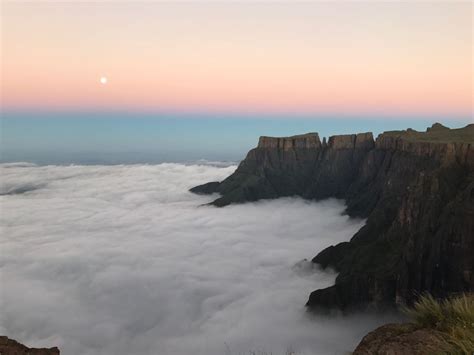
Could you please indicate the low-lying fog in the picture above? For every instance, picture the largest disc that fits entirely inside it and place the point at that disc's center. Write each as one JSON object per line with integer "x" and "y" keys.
{"x": 122, "y": 260}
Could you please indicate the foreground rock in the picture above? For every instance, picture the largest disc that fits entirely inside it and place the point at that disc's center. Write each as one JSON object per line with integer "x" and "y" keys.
{"x": 12, "y": 347}
{"x": 416, "y": 190}
{"x": 402, "y": 339}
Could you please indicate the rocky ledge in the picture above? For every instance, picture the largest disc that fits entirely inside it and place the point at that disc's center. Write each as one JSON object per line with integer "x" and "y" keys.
{"x": 12, "y": 347}
{"x": 402, "y": 339}
{"x": 416, "y": 190}
{"x": 309, "y": 140}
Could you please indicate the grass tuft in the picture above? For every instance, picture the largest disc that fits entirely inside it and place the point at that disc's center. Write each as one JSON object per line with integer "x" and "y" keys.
{"x": 426, "y": 312}
{"x": 453, "y": 316}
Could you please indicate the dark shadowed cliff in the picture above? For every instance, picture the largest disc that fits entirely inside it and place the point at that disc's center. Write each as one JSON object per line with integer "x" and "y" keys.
{"x": 416, "y": 190}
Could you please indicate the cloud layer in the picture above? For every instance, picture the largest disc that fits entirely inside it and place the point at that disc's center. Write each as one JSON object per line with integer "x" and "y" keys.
{"x": 124, "y": 260}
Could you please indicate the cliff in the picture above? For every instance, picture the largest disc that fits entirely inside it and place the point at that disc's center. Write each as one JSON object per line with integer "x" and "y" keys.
{"x": 12, "y": 347}
{"x": 416, "y": 190}
{"x": 299, "y": 165}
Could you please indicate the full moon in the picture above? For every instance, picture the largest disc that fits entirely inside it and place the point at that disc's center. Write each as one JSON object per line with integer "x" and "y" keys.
{"x": 103, "y": 80}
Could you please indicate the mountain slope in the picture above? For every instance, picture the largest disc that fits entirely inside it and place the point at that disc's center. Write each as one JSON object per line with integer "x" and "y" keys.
{"x": 416, "y": 190}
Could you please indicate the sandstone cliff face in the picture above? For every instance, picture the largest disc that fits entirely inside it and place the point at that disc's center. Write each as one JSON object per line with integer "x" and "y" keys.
{"x": 419, "y": 234}
{"x": 277, "y": 167}
{"x": 416, "y": 190}
{"x": 304, "y": 141}
{"x": 12, "y": 347}
{"x": 299, "y": 165}
{"x": 338, "y": 166}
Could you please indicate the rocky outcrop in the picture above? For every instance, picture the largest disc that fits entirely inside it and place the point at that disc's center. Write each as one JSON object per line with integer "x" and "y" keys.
{"x": 299, "y": 165}
{"x": 12, "y": 347}
{"x": 402, "y": 339}
{"x": 303, "y": 141}
{"x": 418, "y": 197}
{"x": 416, "y": 190}
{"x": 277, "y": 167}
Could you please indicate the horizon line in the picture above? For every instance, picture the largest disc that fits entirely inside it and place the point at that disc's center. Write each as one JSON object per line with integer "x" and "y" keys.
{"x": 232, "y": 114}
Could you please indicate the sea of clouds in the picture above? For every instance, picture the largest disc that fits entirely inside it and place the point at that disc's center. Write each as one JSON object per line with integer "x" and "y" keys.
{"x": 122, "y": 260}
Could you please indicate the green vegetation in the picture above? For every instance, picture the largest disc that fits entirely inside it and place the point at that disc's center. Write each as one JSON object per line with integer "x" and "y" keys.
{"x": 453, "y": 316}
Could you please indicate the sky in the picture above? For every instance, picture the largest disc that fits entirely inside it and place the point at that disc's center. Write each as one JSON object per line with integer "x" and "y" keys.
{"x": 115, "y": 258}
{"x": 98, "y": 138}
{"x": 190, "y": 80}
{"x": 326, "y": 57}
{"x": 123, "y": 260}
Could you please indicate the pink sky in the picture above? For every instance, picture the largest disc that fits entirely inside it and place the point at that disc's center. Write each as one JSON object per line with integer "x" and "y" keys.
{"x": 340, "y": 57}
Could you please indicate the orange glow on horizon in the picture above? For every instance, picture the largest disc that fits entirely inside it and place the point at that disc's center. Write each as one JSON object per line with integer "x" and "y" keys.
{"x": 320, "y": 57}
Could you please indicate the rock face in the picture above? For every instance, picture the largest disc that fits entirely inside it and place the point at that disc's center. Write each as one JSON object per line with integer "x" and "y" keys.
{"x": 277, "y": 167}
{"x": 299, "y": 165}
{"x": 12, "y": 347}
{"x": 416, "y": 190}
{"x": 401, "y": 339}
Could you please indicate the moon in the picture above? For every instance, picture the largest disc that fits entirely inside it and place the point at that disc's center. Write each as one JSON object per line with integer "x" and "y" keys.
{"x": 103, "y": 80}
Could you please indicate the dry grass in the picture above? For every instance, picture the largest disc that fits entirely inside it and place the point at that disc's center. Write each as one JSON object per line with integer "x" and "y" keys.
{"x": 453, "y": 316}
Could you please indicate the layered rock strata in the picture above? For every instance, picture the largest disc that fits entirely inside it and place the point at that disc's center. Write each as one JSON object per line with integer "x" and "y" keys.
{"x": 416, "y": 190}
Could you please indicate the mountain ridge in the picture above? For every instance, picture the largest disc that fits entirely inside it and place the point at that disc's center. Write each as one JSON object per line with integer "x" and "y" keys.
{"x": 416, "y": 190}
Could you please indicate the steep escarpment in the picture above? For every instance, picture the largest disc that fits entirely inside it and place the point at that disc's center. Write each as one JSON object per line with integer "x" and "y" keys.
{"x": 277, "y": 167}
{"x": 299, "y": 165}
{"x": 416, "y": 190}
{"x": 418, "y": 197}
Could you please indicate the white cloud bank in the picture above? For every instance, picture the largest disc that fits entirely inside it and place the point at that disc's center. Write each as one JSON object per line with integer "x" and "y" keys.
{"x": 122, "y": 260}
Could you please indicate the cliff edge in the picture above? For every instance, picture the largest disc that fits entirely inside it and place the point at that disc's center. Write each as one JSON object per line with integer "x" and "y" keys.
{"x": 416, "y": 190}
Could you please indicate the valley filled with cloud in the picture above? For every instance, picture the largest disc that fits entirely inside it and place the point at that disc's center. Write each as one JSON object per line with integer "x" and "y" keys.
{"x": 124, "y": 260}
